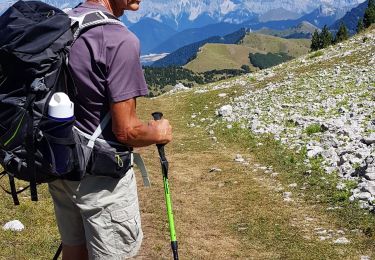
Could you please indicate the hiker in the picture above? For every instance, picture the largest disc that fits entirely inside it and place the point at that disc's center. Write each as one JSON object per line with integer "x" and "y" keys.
{"x": 98, "y": 217}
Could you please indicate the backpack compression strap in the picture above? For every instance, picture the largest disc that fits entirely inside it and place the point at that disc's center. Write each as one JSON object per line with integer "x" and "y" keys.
{"x": 136, "y": 157}
{"x": 92, "y": 19}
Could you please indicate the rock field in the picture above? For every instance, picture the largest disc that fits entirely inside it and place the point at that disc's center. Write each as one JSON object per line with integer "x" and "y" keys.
{"x": 322, "y": 104}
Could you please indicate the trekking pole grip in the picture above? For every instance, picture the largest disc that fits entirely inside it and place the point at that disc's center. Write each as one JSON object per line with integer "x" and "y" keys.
{"x": 157, "y": 115}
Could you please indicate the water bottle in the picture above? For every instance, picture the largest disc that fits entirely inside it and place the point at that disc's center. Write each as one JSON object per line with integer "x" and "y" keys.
{"x": 61, "y": 112}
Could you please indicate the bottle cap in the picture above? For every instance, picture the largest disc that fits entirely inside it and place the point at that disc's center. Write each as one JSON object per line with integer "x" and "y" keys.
{"x": 60, "y": 106}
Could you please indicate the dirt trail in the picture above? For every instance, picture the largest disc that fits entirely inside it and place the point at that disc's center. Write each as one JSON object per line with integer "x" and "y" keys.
{"x": 237, "y": 213}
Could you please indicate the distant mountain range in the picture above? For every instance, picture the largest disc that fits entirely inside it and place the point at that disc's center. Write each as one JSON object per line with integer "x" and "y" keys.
{"x": 317, "y": 18}
{"x": 185, "y": 14}
{"x": 166, "y": 25}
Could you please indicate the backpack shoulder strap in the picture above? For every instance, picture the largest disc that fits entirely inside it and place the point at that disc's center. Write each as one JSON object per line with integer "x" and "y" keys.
{"x": 92, "y": 19}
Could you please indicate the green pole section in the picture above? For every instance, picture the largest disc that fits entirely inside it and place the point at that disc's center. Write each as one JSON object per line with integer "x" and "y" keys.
{"x": 168, "y": 203}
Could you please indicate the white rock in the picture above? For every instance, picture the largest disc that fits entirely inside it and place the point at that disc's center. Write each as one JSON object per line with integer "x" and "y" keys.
{"x": 370, "y": 173}
{"x": 226, "y": 110}
{"x": 287, "y": 196}
{"x": 239, "y": 158}
{"x": 364, "y": 195}
{"x": 341, "y": 241}
{"x": 315, "y": 151}
{"x": 14, "y": 225}
{"x": 370, "y": 139}
{"x": 341, "y": 186}
{"x": 179, "y": 87}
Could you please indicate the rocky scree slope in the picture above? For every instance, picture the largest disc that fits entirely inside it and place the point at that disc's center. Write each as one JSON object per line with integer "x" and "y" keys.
{"x": 321, "y": 104}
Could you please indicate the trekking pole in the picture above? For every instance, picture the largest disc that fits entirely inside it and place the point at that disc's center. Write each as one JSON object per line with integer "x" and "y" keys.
{"x": 168, "y": 201}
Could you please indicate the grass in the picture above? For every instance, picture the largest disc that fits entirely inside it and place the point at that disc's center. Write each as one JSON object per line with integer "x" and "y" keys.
{"x": 313, "y": 129}
{"x": 316, "y": 54}
{"x": 220, "y": 56}
{"x": 267, "y": 43}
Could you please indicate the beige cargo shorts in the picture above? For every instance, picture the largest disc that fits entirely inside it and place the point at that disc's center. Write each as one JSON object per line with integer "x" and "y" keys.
{"x": 101, "y": 212}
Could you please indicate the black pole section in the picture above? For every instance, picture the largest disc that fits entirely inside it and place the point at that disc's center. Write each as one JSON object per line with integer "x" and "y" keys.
{"x": 58, "y": 252}
{"x": 168, "y": 201}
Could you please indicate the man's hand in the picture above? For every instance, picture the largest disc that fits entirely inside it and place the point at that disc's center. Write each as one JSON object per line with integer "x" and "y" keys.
{"x": 163, "y": 129}
{"x": 129, "y": 130}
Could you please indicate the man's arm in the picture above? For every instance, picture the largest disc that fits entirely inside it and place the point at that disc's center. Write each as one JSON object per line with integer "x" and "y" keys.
{"x": 129, "y": 130}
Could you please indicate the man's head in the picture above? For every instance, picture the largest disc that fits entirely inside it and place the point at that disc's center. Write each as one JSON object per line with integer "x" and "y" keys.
{"x": 117, "y": 7}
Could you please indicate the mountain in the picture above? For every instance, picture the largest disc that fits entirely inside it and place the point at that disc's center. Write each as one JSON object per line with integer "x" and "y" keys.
{"x": 318, "y": 18}
{"x": 194, "y": 35}
{"x": 183, "y": 14}
{"x": 351, "y": 18}
{"x": 184, "y": 54}
{"x": 278, "y": 15}
{"x": 302, "y": 30}
{"x": 324, "y": 15}
{"x": 151, "y": 33}
{"x": 213, "y": 56}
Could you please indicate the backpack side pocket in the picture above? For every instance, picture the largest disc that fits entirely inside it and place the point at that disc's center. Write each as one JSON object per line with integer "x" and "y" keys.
{"x": 109, "y": 161}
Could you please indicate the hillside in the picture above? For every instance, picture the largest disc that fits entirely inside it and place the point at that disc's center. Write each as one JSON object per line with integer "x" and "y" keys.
{"x": 192, "y": 35}
{"x": 268, "y": 43}
{"x": 214, "y": 56}
{"x": 184, "y": 54}
{"x": 233, "y": 56}
{"x": 301, "y": 31}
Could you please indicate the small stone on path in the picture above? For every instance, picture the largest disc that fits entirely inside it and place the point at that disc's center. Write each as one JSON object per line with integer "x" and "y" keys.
{"x": 239, "y": 158}
{"x": 14, "y": 225}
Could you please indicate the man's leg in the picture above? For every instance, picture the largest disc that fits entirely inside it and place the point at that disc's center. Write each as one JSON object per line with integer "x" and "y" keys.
{"x": 74, "y": 252}
{"x": 111, "y": 216}
{"x": 69, "y": 220}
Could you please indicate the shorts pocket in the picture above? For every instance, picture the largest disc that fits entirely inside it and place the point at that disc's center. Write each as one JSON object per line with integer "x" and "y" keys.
{"x": 126, "y": 226}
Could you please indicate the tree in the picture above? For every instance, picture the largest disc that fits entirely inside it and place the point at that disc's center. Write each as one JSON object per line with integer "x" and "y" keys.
{"x": 342, "y": 33}
{"x": 245, "y": 68}
{"x": 360, "y": 26}
{"x": 315, "y": 41}
{"x": 326, "y": 37}
{"x": 369, "y": 16}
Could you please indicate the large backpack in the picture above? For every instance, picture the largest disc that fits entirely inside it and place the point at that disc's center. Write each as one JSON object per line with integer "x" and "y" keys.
{"x": 35, "y": 40}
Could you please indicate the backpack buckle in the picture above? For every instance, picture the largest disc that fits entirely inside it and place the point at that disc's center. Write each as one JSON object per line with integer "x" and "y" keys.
{"x": 38, "y": 85}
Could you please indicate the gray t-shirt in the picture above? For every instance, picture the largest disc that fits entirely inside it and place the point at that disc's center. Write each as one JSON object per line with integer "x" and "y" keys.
{"x": 105, "y": 65}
